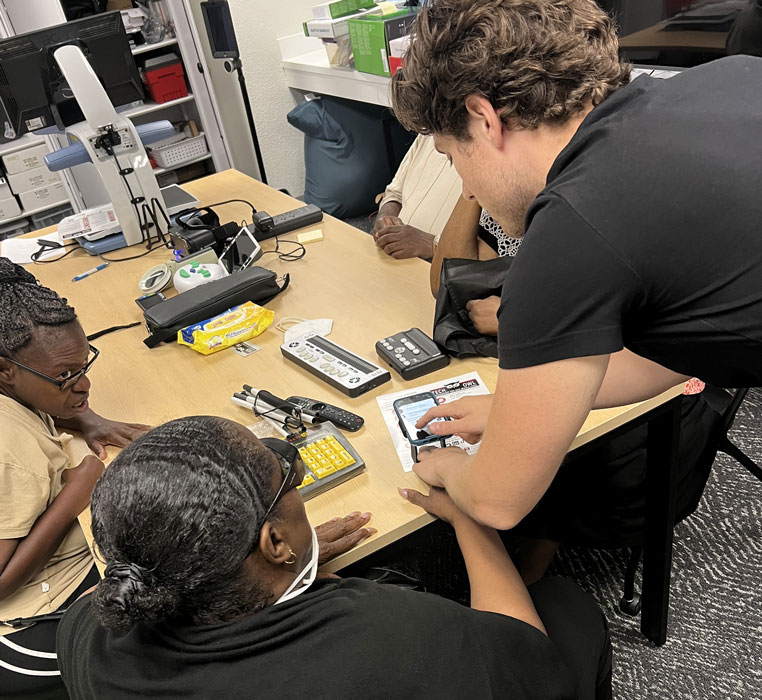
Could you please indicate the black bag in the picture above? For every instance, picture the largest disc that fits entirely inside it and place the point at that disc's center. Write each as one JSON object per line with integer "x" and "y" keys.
{"x": 166, "y": 318}
{"x": 462, "y": 280}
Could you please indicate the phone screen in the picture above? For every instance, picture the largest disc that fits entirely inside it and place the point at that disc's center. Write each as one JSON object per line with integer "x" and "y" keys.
{"x": 241, "y": 252}
{"x": 410, "y": 409}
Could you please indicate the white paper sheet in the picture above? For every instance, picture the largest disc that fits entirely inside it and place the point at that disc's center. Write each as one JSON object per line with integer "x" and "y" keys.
{"x": 19, "y": 250}
{"x": 469, "y": 384}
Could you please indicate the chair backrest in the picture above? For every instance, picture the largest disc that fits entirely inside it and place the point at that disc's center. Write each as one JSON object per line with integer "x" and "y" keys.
{"x": 726, "y": 402}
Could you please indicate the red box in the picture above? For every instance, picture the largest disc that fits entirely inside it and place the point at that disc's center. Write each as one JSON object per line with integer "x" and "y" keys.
{"x": 166, "y": 82}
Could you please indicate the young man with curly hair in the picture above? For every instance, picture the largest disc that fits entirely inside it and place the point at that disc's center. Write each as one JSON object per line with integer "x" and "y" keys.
{"x": 642, "y": 257}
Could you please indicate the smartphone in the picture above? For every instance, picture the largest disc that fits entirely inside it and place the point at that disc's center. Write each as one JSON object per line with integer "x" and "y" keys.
{"x": 242, "y": 250}
{"x": 409, "y": 410}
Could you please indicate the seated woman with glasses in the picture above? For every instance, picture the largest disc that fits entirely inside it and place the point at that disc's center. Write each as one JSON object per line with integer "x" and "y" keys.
{"x": 44, "y": 559}
{"x": 210, "y": 591}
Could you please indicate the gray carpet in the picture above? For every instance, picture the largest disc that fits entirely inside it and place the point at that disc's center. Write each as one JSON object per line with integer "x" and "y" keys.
{"x": 714, "y": 647}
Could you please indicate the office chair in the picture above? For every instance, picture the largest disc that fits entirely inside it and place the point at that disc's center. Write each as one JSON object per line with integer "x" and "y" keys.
{"x": 725, "y": 403}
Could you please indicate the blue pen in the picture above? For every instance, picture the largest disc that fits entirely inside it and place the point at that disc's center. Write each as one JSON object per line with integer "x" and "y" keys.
{"x": 88, "y": 273}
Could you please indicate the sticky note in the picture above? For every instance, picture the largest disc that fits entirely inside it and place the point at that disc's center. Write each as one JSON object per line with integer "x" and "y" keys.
{"x": 310, "y": 236}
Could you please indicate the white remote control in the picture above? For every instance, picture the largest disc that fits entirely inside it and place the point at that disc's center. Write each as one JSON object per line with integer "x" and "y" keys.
{"x": 337, "y": 366}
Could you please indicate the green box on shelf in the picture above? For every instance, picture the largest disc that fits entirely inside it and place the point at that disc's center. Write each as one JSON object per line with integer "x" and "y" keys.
{"x": 370, "y": 37}
{"x": 340, "y": 8}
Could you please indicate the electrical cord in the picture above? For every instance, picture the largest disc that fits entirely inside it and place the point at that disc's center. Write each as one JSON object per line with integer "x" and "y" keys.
{"x": 287, "y": 256}
{"x": 35, "y": 257}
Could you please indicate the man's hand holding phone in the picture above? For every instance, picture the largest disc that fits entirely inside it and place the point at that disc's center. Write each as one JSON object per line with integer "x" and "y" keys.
{"x": 410, "y": 409}
{"x": 467, "y": 418}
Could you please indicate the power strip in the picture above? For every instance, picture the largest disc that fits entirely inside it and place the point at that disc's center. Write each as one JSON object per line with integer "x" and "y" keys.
{"x": 283, "y": 223}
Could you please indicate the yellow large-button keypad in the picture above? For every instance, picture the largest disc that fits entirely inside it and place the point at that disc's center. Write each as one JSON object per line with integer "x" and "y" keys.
{"x": 329, "y": 459}
{"x": 325, "y": 456}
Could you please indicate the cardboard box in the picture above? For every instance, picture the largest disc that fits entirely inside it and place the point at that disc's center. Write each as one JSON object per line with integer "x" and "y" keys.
{"x": 340, "y": 8}
{"x": 5, "y": 190}
{"x": 9, "y": 208}
{"x": 32, "y": 180}
{"x": 44, "y": 196}
{"x": 370, "y": 38}
{"x": 333, "y": 28}
{"x": 26, "y": 159}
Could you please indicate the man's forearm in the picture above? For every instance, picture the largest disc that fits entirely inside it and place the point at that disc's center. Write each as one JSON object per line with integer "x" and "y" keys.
{"x": 536, "y": 413}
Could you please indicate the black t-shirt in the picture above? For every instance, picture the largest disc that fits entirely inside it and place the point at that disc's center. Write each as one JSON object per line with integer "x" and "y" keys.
{"x": 648, "y": 234}
{"x": 343, "y": 638}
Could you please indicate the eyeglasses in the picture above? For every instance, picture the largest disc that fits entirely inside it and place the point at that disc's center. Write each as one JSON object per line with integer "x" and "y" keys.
{"x": 291, "y": 465}
{"x": 67, "y": 382}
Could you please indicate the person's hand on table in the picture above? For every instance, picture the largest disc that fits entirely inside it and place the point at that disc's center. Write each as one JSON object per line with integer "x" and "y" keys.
{"x": 438, "y": 503}
{"x": 402, "y": 241}
{"x": 483, "y": 314}
{"x": 468, "y": 418}
{"x": 384, "y": 221}
{"x": 339, "y": 535}
{"x": 99, "y": 432}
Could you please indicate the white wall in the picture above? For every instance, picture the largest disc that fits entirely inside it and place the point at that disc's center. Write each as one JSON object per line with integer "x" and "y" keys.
{"x": 258, "y": 24}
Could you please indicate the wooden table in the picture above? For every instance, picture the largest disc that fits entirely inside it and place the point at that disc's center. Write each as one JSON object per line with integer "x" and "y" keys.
{"x": 657, "y": 38}
{"x": 344, "y": 277}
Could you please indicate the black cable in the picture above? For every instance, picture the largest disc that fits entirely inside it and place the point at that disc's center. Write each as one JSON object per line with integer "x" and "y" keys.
{"x": 196, "y": 210}
{"x": 35, "y": 257}
{"x": 287, "y": 256}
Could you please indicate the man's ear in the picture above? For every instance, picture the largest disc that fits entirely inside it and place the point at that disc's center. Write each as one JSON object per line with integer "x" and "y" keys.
{"x": 7, "y": 370}
{"x": 484, "y": 121}
{"x": 273, "y": 545}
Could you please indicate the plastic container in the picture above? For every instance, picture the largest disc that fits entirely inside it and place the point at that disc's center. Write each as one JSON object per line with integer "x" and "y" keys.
{"x": 178, "y": 150}
{"x": 165, "y": 78}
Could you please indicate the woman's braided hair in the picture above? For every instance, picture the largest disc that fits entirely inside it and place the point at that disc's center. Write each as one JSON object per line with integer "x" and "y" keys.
{"x": 24, "y": 305}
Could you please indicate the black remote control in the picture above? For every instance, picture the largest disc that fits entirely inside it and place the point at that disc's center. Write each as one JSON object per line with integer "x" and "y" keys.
{"x": 325, "y": 411}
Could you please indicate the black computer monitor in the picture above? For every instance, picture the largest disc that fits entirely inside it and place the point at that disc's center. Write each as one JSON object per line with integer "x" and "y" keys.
{"x": 33, "y": 92}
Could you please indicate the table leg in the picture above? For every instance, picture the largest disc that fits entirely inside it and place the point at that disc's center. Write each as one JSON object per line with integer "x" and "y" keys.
{"x": 661, "y": 480}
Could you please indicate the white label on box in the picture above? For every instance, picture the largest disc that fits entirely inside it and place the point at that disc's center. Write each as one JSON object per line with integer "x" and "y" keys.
{"x": 384, "y": 60}
{"x": 34, "y": 124}
{"x": 44, "y": 196}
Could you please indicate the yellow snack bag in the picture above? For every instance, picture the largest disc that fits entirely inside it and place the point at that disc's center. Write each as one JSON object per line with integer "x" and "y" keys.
{"x": 235, "y": 325}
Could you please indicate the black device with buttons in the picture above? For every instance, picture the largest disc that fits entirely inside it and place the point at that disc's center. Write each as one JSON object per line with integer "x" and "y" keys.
{"x": 411, "y": 353}
{"x": 325, "y": 411}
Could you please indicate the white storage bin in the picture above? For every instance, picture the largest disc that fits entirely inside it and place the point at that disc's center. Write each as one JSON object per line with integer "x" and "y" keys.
{"x": 178, "y": 150}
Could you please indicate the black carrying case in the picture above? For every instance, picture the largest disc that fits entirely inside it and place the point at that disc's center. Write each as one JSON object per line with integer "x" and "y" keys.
{"x": 255, "y": 284}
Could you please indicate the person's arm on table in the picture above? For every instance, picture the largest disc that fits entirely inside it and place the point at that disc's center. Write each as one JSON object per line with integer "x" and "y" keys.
{"x": 458, "y": 239}
{"x": 536, "y": 413}
{"x": 495, "y": 584}
{"x": 99, "y": 432}
{"x": 22, "y": 558}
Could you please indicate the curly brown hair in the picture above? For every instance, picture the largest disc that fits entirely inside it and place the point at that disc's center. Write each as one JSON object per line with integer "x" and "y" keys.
{"x": 536, "y": 61}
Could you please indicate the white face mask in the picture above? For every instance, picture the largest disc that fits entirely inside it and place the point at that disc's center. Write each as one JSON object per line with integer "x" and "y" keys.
{"x": 307, "y": 575}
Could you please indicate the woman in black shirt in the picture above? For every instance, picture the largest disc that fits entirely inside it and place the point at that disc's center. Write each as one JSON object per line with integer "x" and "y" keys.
{"x": 210, "y": 591}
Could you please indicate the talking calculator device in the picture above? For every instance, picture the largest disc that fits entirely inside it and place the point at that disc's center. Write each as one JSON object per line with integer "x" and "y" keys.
{"x": 335, "y": 365}
{"x": 411, "y": 353}
{"x": 325, "y": 411}
{"x": 328, "y": 459}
